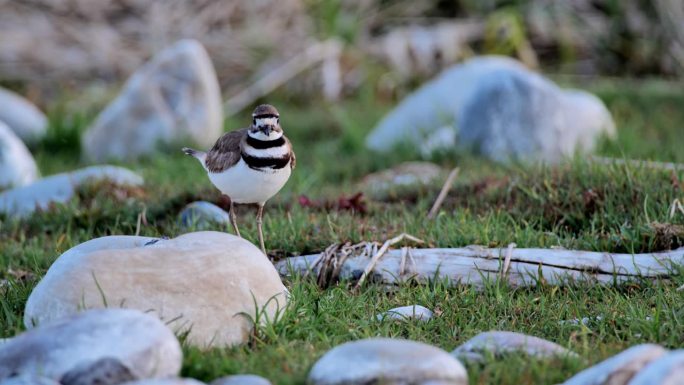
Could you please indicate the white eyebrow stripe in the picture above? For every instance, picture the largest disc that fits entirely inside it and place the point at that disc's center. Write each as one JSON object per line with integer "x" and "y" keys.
{"x": 264, "y": 121}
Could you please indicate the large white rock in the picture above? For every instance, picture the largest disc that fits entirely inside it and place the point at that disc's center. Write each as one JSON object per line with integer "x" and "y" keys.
{"x": 499, "y": 108}
{"x": 203, "y": 283}
{"x": 666, "y": 370}
{"x": 619, "y": 369}
{"x": 497, "y": 343}
{"x": 139, "y": 341}
{"x": 22, "y": 117}
{"x": 60, "y": 188}
{"x": 387, "y": 361}
{"x": 17, "y": 167}
{"x": 173, "y": 97}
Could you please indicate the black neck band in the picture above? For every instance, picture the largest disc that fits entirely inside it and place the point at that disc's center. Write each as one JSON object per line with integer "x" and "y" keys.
{"x": 264, "y": 144}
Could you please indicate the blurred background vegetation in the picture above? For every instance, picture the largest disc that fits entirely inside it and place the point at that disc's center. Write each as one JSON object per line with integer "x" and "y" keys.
{"x": 49, "y": 47}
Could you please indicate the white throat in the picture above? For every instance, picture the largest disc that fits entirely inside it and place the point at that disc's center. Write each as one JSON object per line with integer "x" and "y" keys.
{"x": 259, "y": 135}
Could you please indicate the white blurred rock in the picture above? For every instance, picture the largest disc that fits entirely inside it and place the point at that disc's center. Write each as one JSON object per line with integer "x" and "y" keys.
{"x": 241, "y": 379}
{"x": 17, "y": 167}
{"x": 203, "y": 283}
{"x": 22, "y": 117}
{"x": 619, "y": 369}
{"x": 202, "y": 215}
{"x": 60, "y": 188}
{"x": 497, "y": 343}
{"x": 166, "y": 381}
{"x": 29, "y": 379}
{"x": 666, "y": 370}
{"x": 387, "y": 361}
{"x": 173, "y": 97}
{"x": 435, "y": 104}
{"x": 139, "y": 341}
{"x": 518, "y": 115}
{"x": 497, "y": 108}
{"x": 406, "y": 313}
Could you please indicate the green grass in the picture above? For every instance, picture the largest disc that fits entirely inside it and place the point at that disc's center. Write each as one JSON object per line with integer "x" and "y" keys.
{"x": 576, "y": 205}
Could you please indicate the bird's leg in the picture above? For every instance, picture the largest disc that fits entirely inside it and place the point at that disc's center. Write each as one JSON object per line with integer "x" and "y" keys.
{"x": 233, "y": 219}
{"x": 259, "y": 221}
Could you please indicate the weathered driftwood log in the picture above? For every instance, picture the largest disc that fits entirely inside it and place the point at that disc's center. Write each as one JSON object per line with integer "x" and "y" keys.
{"x": 477, "y": 265}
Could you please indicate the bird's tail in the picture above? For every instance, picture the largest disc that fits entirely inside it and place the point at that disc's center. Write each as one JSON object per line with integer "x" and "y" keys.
{"x": 199, "y": 155}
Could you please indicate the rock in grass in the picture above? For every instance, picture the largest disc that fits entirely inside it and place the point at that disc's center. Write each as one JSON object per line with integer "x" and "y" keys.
{"x": 619, "y": 369}
{"x": 241, "y": 379}
{"x": 206, "y": 284}
{"x": 22, "y": 117}
{"x": 406, "y": 176}
{"x": 521, "y": 116}
{"x": 497, "y": 107}
{"x": 60, "y": 188}
{"x": 167, "y": 381}
{"x": 406, "y": 313}
{"x": 202, "y": 215}
{"x": 17, "y": 167}
{"x": 105, "y": 371}
{"x": 29, "y": 379}
{"x": 666, "y": 370}
{"x": 387, "y": 361}
{"x": 173, "y": 97}
{"x": 137, "y": 341}
{"x": 497, "y": 343}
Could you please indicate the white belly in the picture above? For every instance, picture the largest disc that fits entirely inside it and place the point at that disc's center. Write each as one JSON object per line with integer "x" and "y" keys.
{"x": 245, "y": 185}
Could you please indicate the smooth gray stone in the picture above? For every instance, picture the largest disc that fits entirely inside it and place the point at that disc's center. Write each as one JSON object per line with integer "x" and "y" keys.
{"x": 17, "y": 167}
{"x": 241, "y": 379}
{"x": 22, "y": 117}
{"x": 202, "y": 215}
{"x": 387, "y": 361}
{"x": 619, "y": 369}
{"x": 406, "y": 313}
{"x": 21, "y": 202}
{"x": 29, "y": 379}
{"x": 174, "y": 97}
{"x": 105, "y": 371}
{"x": 498, "y": 108}
{"x": 139, "y": 341}
{"x": 497, "y": 343}
{"x": 666, "y": 370}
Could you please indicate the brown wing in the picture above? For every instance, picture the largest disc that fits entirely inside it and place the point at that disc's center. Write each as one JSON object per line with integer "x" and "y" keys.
{"x": 226, "y": 151}
{"x": 293, "y": 158}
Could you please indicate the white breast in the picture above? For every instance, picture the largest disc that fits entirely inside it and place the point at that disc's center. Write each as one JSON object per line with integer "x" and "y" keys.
{"x": 245, "y": 185}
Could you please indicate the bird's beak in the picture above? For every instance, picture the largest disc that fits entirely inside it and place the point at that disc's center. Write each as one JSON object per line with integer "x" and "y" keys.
{"x": 267, "y": 130}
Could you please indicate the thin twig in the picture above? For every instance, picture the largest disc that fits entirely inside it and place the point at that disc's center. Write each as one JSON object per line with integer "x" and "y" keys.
{"x": 381, "y": 252}
{"x": 443, "y": 193}
{"x": 507, "y": 260}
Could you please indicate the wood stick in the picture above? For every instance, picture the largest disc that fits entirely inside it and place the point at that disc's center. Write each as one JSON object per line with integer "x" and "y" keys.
{"x": 477, "y": 265}
{"x": 443, "y": 193}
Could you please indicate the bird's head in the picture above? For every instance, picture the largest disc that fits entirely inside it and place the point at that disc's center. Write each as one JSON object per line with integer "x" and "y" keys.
{"x": 265, "y": 123}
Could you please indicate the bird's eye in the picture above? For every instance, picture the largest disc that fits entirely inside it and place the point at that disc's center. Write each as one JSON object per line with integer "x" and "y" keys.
{"x": 254, "y": 122}
{"x": 278, "y": 120}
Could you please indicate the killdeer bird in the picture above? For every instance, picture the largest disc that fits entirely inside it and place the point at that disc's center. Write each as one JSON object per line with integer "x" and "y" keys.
{"x": 250, "y": 165}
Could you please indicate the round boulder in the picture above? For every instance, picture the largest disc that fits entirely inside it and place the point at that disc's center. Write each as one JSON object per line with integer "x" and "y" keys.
{"x": 209, "y": 285}
{"x": 140, "y": 345}
{"x": 387, "y": 361}
{"x": 17, "y": 167}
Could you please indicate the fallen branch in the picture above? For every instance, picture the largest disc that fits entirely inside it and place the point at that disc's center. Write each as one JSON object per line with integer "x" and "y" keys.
{"x": 477, "y": 265}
